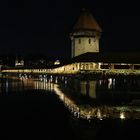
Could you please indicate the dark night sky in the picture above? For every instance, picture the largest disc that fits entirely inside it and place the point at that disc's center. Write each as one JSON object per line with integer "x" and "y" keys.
{"x": 40, "y": 27}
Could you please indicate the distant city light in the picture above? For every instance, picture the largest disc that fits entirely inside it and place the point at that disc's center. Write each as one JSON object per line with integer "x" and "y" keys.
{"x": 122, "y": 115}
{"x": 57, "y": 62}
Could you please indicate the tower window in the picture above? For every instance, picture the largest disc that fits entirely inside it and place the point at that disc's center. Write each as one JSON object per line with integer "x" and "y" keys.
{"x": 89, "y": 41}
{"x": 79, "y": 41}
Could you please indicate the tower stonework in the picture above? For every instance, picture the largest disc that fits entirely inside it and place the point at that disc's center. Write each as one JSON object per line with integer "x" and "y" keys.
{"x": 85, "y": 35}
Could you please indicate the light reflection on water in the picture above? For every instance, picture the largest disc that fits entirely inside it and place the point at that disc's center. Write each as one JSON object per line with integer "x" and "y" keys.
{"x": 84, "y": 111}
{"x": 100, "y": 112}
{"x": 88, "y": 88}
{"x": 87, "y": 111}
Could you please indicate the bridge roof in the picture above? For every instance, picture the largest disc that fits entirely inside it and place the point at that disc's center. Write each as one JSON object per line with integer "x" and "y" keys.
{"x": 109, "y": 57}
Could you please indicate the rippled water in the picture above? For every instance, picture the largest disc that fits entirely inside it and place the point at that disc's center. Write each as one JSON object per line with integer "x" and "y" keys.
{"x": 27, "y": 112}
{"x": 100, "y": 109}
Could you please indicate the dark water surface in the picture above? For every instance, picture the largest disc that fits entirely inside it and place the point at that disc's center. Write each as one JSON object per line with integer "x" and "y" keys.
{"x": 34, "y": 109}
{"x": 26, "y": 112}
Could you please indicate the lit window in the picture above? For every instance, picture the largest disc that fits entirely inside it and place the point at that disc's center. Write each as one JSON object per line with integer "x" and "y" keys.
{"x": 91, "y": 66}
{"x": 87, "y": 66}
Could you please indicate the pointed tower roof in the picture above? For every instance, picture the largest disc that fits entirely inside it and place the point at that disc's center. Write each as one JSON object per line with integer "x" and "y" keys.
{"x": 87, "y": 22}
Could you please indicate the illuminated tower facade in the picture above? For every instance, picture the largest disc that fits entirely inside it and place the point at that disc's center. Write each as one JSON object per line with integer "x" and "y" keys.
{"x": 85, "y": 35}
{"x": 19, "y": 63}
{"x": 16, "y": 61}
{"x": 22, "y": 62}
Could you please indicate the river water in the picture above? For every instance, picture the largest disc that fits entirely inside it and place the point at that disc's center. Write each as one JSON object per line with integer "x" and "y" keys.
{"x": 75, "y": 109}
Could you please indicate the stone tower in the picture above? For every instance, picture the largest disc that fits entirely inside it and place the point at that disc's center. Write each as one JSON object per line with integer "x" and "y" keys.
{"x": 85, "y": 35}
